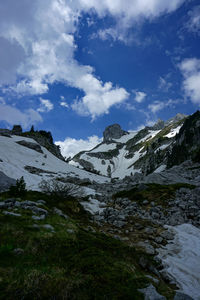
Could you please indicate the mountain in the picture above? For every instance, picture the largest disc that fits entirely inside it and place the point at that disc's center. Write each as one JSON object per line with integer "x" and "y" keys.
{"x": 35, "y": 158}
{"x": 80, "y": 234}
{"x": 125, "y": 153}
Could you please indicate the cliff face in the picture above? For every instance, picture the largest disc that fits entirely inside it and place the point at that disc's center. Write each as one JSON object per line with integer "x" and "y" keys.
{"x": 113, "y": 132}
{"x": 187, "y": 143}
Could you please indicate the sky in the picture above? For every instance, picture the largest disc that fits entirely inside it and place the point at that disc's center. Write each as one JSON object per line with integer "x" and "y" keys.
{"x": 73, "y": 67}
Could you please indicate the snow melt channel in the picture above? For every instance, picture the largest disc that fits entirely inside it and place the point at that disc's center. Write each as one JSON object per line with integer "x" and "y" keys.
{"x": 181, "y": 259}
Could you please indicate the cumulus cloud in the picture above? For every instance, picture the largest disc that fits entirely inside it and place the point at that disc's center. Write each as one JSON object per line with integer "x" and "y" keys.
{"x": 45, "y": 105}
{"x": 40, "y": 38}
{"x": 139, "y": 96}
{"x": 128, "y": 13}
{"x": 12, "y": 115}
{"x": 193, "y": 25}
{"x": 70, "y": 146}
{"x": 190, "y": 69}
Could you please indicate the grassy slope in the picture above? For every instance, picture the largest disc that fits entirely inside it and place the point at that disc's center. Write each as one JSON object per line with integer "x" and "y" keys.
{"x": 70, "y": 263}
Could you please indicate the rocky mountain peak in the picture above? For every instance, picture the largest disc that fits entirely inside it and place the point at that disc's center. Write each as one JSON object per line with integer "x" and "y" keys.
{"x": 175, "y": 119}
{"x": 113, "y": 132}
{"x": 160, "y": 124}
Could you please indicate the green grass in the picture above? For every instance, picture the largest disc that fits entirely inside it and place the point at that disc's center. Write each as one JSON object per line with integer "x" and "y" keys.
{"x": 69, "y": 263}
{"x": 62, "y": 264}
{"x": 158, "y": 193}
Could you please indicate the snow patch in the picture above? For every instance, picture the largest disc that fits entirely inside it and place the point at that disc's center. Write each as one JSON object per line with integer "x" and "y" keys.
{"x": 15, "y": 157}
{"x": 181, "y": 259}
{"x": 160, "y": 169}
{"x": 173, "y": 132}
{"x": 93, "y": 206}
{"x": 104, "y": 148}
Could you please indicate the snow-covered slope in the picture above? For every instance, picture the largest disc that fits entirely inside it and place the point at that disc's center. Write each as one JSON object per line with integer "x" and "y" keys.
{"x": 15, "y": 157}
{"x": 181, "y": 259}
{"x": 142, "y": 151}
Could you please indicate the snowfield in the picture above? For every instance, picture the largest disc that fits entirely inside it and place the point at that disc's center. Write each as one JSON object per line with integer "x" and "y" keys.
{"x": 181, "y": 259}
{"x": 173, "y": 132}
{"x": 15, "y": 157}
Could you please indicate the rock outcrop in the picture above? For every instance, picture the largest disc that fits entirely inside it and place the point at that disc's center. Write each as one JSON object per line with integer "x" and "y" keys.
{"x": 113, "y": 132}
{"x": 5, "y": 182}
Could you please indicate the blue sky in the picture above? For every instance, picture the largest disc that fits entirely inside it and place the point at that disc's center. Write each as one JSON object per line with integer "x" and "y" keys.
{"x": 74, "y": 67}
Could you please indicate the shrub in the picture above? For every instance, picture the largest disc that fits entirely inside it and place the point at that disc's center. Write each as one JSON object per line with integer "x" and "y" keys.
{"x": 19, "y": 189}
{"x": 57, "y": 189}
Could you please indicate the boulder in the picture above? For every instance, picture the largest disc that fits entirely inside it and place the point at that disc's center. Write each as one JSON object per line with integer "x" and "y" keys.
{"x": 5, "y": 182}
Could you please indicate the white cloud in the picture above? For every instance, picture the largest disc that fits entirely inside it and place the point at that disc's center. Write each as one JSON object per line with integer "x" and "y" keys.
{"x": 99, "y": 97}
{"x": 190, "y": 69}
{"x": 45, "y": 105}
{"x": 128, "y": 13}
{"x": 64, "y": 104}
{"x": 193, "y": 25}
{"x": 139, "y": 96}
{"x": 164, "y": 84}
{"x": 12, "y": 116}
{"x": 41, "y": 35}
{"x": 71, "y": 146}
{"x": 159, "y": 105}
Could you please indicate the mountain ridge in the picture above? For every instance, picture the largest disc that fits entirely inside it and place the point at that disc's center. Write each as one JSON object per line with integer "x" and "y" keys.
{"x": 143, "y": 151}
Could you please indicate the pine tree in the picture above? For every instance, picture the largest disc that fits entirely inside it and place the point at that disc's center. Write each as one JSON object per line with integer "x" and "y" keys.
{"x": 109, "y": 171}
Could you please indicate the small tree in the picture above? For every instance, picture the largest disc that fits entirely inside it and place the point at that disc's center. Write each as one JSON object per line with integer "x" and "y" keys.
{"x": 19, "y": 189}
{"x": 109, "y": 171}
{"x": 32, "y": 129}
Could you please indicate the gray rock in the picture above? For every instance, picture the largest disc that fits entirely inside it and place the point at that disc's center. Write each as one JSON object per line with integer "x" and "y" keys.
{"x": 60, "y": 213}
{"x": 150, "y": 293}
{"x": 181, "y": 296}
{"x": 70, "y": 231}
{"x": 159, "y": 239}
{"x": 168, "y": 235}
{"x": 153, "y": 279}
{"x": 48, "y": 227}
{"x": 113, "y": 132}
{"x": 38, "y": 218}
{"x": 9, "y": 213}
{"x": 149, "y": 249}
{"x": 41, "y": 202}
{"x": 145, "y": 202}
{"x": 18, "y": 251}
{"x": 5, "y": 182}
{"x": 30, "y": 145}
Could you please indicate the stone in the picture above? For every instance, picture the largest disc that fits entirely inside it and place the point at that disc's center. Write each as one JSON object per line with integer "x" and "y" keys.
{"x": 41, "y": 202}
{"x": 143, "y": 262}
{"x": 5, "y": 182}
{"x": 167, "y": 235}
{"x": 181, "y": 296}
{"x": 18, "y": 251}
{"x": 9, "y": 213}
{"x": 38, "y": 218}
{"x": 70, "y": 231}
{"x": 60, "y": 213}
{"x": 155, "y": 280}
{"x": 149, "y": 249}
{"x": 150, "y": 293}
{"x": 145, "y": 202}
{"x": 48, "y": 227}
{"x": 159, "y": 239}
{"x": 30, "y": 145}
